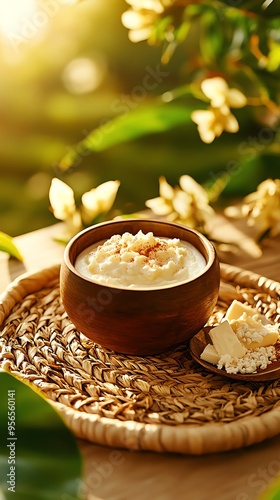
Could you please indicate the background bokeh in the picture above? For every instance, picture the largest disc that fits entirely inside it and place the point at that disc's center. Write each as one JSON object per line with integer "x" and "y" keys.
{"x": 68, "y": 67}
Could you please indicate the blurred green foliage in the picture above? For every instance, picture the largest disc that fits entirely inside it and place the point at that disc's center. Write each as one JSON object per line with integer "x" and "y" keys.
{"x": 39, "y": 456}
{"x": 7, "y": 245}
{"x": 48, "y": 106}
{"x": 272, "y": 490}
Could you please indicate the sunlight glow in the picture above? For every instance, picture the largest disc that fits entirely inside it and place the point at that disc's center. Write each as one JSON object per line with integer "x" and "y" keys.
{"x": 13, "y": 14}
{"x": 84, "y": 75}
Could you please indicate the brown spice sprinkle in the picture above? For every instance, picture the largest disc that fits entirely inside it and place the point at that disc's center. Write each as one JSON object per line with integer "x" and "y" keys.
{"x": 148, "y": 251}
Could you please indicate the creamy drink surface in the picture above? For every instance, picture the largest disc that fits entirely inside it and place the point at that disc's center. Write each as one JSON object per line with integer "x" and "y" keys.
{"x": 140, "y": 261}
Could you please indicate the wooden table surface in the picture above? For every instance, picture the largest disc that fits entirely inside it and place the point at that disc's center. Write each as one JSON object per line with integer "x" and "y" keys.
{"x": 128, "y": 475}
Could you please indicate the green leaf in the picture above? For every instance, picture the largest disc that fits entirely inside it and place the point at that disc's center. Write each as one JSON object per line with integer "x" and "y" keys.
{"x": 7, "y": 245}
{"x": 273, "y": 56}
{"x": 194, "y": 10}
{"x": 272, "y": 492}
{"x": 182, "y": 31}
{"x": 211, "y": 40}
{"x": 131, "y": 125}
{"x": 43, "y": 452}
{"x": 160, "y": 28}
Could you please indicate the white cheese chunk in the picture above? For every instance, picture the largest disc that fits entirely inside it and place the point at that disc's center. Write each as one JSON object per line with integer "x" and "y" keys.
{"x": 236, "y": 309}
{"x": 210, "y": 355}
{"x": 225, "y": 341}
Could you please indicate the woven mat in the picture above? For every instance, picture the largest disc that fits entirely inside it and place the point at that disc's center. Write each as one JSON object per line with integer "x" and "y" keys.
{"x": 162, "y": 403}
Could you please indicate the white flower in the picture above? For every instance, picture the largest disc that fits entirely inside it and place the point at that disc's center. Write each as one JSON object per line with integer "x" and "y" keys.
{"x": 62, "y": 200}
{"x": 141, "y": 18}
{"x": 261, "y": 208}
{"x": 187, "y": 204}
{"x": 64, "y": 208}
{"x": 155, "y": 5}
{"x": 95, "y": 202}
{"x": 221, "y": 96}
{"x": 163, "y": 204}
{"x": 212, "y": 122}
{"x": 99, "y": 200}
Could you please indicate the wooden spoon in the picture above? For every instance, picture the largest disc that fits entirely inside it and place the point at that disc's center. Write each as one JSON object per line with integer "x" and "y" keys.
{"x": 201, "y": 339}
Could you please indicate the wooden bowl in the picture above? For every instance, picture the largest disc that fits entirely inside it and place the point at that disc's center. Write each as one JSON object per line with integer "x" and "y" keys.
{"x": 139, "y": 321}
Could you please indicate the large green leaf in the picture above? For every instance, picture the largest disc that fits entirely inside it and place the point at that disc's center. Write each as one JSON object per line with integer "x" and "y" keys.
{"x": 211, "y": 40}
{"x": 131, "y": 125}
{"x": 43, "y": 452}
{"x": 272, "y": 492}
{"x": 7, "y": 245}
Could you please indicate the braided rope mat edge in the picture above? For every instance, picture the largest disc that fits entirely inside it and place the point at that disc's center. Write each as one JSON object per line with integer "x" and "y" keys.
{"x": 192, "y": 439}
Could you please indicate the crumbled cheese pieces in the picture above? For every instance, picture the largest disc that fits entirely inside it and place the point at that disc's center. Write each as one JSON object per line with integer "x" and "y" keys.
{"x": 252, "y": 333}
{"x": 253, "y": 359}
{"x": 244, "y": 342}
{"x": 236, "y": 309}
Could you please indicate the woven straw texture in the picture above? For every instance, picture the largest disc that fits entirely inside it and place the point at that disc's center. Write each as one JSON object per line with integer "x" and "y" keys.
{"x": 162, "y": 403}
